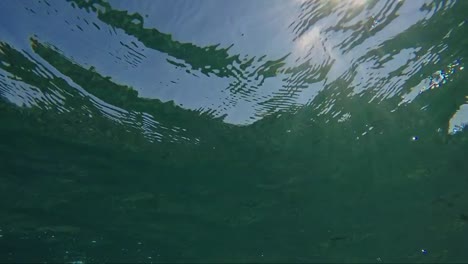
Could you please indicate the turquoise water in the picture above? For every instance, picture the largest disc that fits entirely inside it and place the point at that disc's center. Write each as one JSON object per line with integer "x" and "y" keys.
{"x": 233, "y": 131}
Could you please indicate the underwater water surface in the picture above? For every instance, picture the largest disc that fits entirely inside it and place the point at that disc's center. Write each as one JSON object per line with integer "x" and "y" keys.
{"x": 233, "y": 131}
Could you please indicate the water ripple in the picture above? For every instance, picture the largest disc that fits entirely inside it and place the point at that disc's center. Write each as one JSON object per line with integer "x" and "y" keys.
{"x": 375, "y": 49}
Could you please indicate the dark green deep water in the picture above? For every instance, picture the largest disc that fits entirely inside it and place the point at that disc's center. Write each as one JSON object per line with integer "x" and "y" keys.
{"x": 233, "y": 131}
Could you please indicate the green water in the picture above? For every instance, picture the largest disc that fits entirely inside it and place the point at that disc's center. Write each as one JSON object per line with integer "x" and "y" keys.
{"x": 233, "y": 131}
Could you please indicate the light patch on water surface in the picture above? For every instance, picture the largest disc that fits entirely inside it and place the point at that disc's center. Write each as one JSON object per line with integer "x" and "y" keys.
{"x": 436, "y": 80}
{"x": 308, "y": 40}
{"x": 344, "y": 117}
{"x": 459, "y": 120}
{"x": 352, "y": 3}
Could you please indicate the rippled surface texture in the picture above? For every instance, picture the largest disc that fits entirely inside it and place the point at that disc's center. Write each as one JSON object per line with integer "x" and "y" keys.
{"x": 236, "y": 131}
